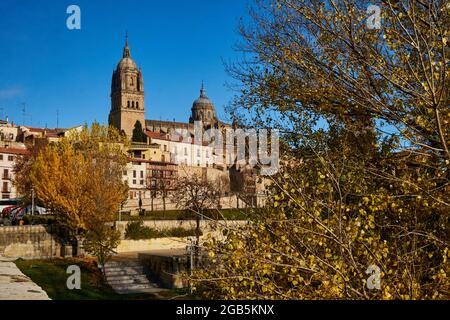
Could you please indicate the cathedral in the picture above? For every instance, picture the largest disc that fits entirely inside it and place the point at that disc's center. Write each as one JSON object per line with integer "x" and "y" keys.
{"x": 159, "y": 159}
{"x": 128, "y": 103}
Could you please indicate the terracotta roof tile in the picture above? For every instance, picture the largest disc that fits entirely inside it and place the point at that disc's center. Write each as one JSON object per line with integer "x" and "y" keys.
{"x": 17, "y": 151}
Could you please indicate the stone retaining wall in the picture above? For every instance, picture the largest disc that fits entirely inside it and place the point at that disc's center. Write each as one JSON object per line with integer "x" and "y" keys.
{"x": 167, "y": 269}
{"x": 151, "y": 245}
{"x": 28, "y": 242}
{"x": 36, "y": 242}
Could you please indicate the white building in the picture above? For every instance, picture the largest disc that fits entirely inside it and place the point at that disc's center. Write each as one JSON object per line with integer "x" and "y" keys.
{"x": 185, "y": 153}
{"x": 135, "y": 174}
{"x": 9, "y": 135}
{"x": 8, "y": 157}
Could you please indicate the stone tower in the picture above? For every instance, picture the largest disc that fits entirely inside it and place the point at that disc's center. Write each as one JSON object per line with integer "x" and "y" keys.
{"x": 127, "y": 94}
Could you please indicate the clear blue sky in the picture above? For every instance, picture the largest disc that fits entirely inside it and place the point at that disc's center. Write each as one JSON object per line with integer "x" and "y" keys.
{"x": 178, "y": 44}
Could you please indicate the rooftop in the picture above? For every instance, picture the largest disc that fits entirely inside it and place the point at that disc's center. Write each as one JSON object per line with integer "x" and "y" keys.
{"x": 17, "y": 151}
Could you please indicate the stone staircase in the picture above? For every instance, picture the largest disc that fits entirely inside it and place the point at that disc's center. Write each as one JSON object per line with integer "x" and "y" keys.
{"x": 128, "y": 276}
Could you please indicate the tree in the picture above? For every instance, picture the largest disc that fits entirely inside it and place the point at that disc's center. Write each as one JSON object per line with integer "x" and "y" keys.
{"x": 320, "y": 57}
{"x": 80, "y": 179}
{"x": 22, "y": 169}
{"x": 352, "y": 195}
{"x": 195, "y": 194}
{"x": 138, "y": 133}
{"x": 101, "y": 242}
{"x": 161, "y": 182}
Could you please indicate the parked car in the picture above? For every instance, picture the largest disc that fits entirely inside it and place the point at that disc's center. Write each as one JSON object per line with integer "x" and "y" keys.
{"x": 16, "y": 214}
{"x": 12, "y": 215}
{"x": 5, "y": 215}
{"x": 4, "y": 203}
{"x": 7, "y": 210}
{"x": 37, "y": 210}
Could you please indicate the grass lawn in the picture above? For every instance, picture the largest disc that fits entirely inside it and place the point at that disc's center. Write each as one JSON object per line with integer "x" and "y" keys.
{"x": 51, "y": 276}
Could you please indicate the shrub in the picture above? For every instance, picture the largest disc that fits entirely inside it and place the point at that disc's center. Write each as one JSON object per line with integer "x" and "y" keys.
{"x": 137, "y": 231}
{"x": 35, "y": 220}
{"x": 179, "y": 232}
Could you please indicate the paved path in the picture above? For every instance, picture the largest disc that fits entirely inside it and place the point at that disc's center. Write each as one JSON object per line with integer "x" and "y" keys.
{"x": 14, "y": 285}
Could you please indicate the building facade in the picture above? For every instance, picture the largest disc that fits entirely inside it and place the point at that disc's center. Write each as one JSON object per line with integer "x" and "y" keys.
{"x": 156, "y": 159}
{"x": 127, "y": 94}
{"x": 8, "y": 158}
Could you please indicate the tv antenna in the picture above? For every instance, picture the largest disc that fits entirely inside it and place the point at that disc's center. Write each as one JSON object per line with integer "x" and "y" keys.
{"x": 24, "y": 114}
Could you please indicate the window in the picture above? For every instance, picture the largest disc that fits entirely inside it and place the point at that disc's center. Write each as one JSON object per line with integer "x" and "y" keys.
{"x": 134, "y": 181}
{"x": 5, "y": 187}
{"x": 125, "y": 172}
{"x": 134, "y": 173}
{"x": 5, "y": 196}
{"x": 165, "y": 147}
{"x": 137, "y": 104}
{"x": 10, "y": 158}
{"x": 132, "y": 104}
{"x": 1, "y": 157}
{"x": 142, "y": 182}
{"x": 5, "y": 173}
{"x": 128, "y": 103}
{"x": 142, "y": 174}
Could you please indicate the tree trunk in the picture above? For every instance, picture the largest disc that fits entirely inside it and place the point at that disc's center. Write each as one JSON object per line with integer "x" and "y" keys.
{"x": 164, "y": 202}
{"x": 197, "y": 240}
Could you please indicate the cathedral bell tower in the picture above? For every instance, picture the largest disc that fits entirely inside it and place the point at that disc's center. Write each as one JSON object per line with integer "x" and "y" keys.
{"x": 127, "y": 95}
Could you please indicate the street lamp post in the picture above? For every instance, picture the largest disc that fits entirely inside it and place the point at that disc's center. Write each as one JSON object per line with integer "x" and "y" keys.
{"x": 32, "y": 201}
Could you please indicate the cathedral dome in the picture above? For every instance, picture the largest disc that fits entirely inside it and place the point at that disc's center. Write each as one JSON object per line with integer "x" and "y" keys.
{"x": 203, "y": 109}
{"x": 203, "y": 102}
{"x": 126, "y": 63}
